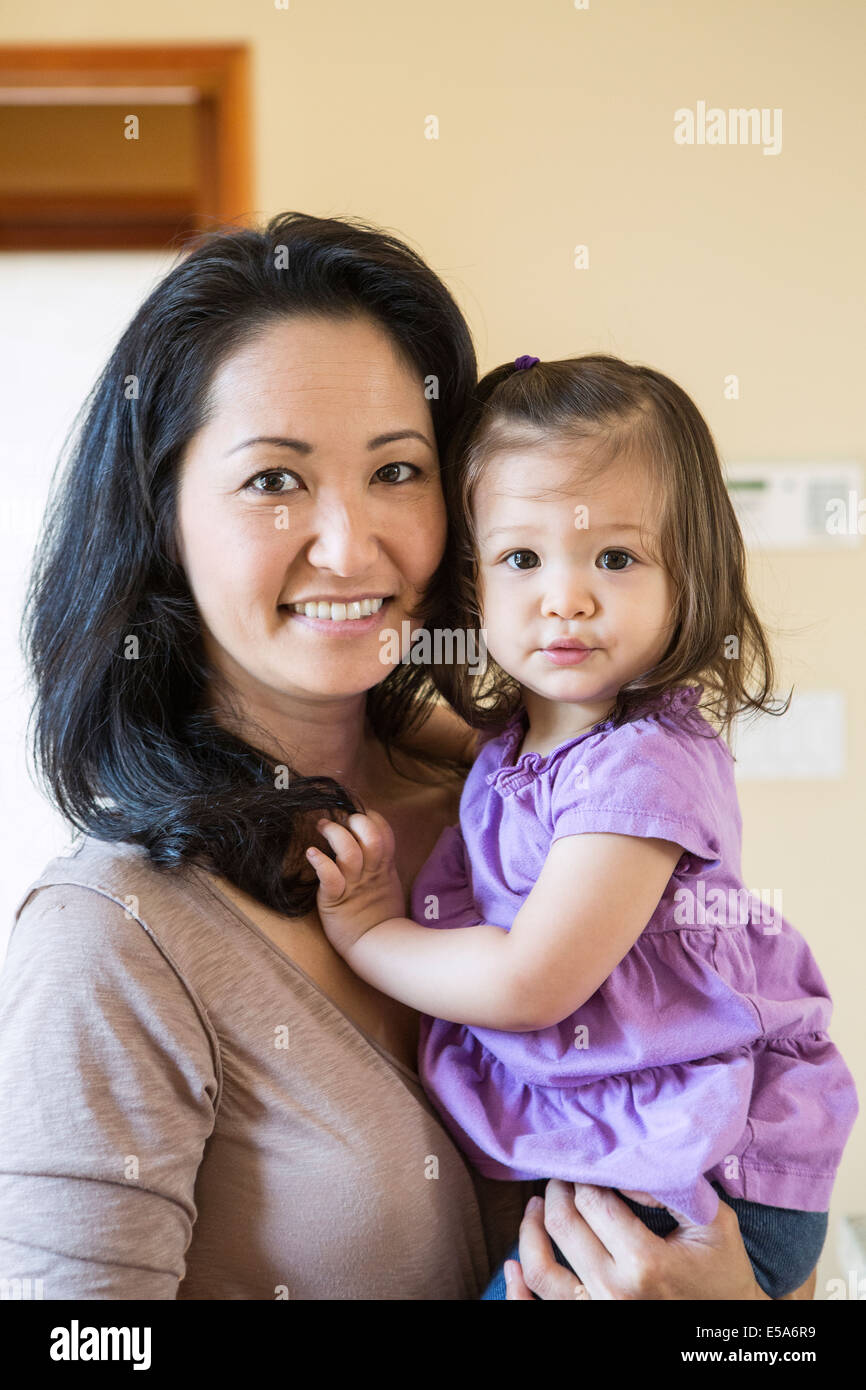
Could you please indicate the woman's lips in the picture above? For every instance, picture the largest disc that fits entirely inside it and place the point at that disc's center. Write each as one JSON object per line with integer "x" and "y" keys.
{"x": 337, "y": 627}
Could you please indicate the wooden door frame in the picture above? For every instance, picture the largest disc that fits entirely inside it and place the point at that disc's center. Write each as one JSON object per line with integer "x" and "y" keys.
{"x": 218, "y": 72}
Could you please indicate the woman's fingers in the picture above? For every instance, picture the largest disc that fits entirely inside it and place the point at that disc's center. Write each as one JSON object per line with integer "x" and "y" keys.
{"x": 644, "y": 1198}
{"x": 515, "y": 1284}
{"x": 599, "y": 1235}
{"x": 619, "y": 1258}
{"x": 541, "y": 1271}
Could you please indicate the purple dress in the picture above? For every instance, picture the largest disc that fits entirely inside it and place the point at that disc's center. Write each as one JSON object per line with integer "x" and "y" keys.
{"x": 705, "y": 1054}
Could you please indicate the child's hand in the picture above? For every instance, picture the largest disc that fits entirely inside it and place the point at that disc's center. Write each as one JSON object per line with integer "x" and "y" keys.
{"x": 361, "y": 889}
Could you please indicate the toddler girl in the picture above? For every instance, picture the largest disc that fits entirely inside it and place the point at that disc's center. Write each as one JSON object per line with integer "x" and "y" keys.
{"x": 616, "y": 1007}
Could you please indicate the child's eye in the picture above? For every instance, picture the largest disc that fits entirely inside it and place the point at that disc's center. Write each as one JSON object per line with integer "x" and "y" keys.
{"x": 529, "y": 556}
{"x": 274, "y": 473}
{"x": 623, "y": 555}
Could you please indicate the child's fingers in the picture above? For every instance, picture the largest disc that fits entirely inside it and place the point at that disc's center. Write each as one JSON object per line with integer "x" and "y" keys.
{"x": 375, "y": 836}
{"x": 350, "y": 854}
{"x": 388, "y": 841}
{"x": 332, "y": 884}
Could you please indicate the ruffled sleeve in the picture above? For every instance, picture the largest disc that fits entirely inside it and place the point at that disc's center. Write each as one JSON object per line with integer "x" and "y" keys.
{"x": 654, "y": 777}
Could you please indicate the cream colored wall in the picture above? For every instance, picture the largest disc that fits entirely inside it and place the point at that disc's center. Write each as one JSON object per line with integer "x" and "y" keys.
{"x": 556, "y": 128}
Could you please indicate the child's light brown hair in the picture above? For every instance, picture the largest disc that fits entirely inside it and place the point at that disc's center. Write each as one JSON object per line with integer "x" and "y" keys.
{"x": 614, "y": 411}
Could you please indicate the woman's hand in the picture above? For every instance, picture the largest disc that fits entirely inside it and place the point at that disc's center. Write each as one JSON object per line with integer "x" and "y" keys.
{"x": 617, "y": 1257}
{"x": 362, "y": 888}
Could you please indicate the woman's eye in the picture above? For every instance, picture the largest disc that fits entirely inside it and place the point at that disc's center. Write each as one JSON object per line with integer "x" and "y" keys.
{"x": 392, "y": 468}
{"x": 274, "y": 473}
{"x": 622, "y": 555}
{"x": 526, "y": 559}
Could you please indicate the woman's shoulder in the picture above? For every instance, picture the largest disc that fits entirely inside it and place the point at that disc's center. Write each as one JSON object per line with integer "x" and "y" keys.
{"x": 103, "y": 942}
{"x": 108, "y": 909}
{"x": 119, "y": 872}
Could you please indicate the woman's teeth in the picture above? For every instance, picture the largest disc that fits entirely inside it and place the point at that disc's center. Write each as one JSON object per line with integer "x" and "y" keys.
{"x": 339, "y": 612}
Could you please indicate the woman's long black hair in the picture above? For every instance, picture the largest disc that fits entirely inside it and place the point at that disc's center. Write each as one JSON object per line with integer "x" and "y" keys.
{"x": 125, "y": 748}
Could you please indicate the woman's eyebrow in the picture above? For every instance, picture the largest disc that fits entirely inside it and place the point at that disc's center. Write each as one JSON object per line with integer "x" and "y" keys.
{"x": 301, "y": 446}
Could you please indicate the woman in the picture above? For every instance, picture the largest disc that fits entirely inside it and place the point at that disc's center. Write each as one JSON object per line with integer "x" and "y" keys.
{"x": 199, "y": 1098}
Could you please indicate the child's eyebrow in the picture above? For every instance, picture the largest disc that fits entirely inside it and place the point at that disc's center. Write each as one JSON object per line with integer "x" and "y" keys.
{"x": 495, "y": 530}
{"x": 527, "y": 526}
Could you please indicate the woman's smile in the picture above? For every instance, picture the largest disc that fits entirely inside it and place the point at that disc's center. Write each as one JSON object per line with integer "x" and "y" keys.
{"x": 354, "y": 616}
{"x": 349, "y": 549}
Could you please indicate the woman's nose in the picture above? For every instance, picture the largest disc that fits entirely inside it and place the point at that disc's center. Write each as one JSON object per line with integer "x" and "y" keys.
{"x": 343, "y": 540}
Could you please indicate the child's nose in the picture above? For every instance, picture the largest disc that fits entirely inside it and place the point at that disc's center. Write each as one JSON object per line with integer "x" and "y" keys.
{"x": 569, "y": 601}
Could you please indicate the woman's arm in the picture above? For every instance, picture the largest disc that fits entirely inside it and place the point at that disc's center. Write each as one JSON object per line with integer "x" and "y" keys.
{"x": 561, "y": 946}
{"x": 107, "y": 1095}
{"x": 619, "y": 1258}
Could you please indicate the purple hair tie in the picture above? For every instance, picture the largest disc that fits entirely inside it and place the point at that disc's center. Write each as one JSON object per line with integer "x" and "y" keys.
{"x": 521, "y": 363}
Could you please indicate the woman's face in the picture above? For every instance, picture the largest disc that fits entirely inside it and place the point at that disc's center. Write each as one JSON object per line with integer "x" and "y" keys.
{"x": 315, "y": 481}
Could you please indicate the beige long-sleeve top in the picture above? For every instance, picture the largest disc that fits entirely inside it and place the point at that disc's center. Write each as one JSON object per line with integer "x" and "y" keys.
{"x": 184, "y": 1114}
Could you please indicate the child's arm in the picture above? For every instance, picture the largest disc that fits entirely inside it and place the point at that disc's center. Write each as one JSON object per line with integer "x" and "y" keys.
{"x": 591, "y": 902}
{"x": 445, "y": 733}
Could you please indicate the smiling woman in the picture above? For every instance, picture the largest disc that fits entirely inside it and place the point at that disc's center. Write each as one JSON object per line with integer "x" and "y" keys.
{"x": 281, "y": 422}
{"x": 333, "y": 517}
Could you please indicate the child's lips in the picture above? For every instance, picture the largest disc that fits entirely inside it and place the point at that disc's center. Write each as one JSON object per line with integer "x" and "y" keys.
{"x": 567, "y": 654}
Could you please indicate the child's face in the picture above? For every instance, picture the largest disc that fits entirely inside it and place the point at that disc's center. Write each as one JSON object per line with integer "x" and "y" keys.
{"x": 558, "y": 559}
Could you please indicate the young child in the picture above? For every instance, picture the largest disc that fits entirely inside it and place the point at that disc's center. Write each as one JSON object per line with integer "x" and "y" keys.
{"x": 616, "y": 1007}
